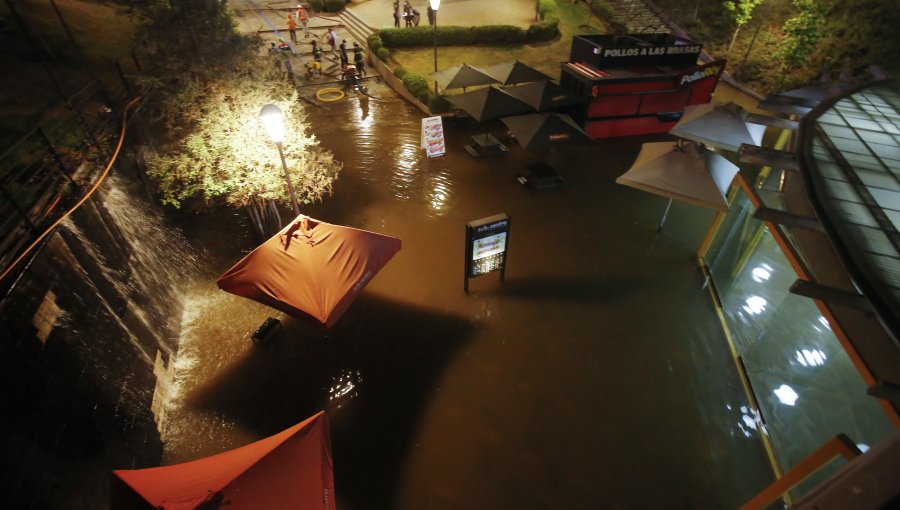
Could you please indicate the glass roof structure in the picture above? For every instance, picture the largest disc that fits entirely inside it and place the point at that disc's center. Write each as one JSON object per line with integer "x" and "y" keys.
{"x": 852, "y": 154}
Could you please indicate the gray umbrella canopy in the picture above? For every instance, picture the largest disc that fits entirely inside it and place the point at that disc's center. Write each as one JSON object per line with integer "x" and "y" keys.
{"x": 545, "y": 130}
{"x": 722, "y": 126}
{"x": 682, "y": 171}
{"x": 489, "y": 103}
{"x": 509, "y": 73}
{"x": 462, "y": 76}
{"x": 819, "y": 91}
{"x": 545, "y": 95}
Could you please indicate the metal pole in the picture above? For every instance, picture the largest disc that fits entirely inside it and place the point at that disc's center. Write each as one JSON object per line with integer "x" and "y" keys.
{"x": 435, "y": 51}
{"x": 666, "y": 213}
{"x": 287, "y": 177}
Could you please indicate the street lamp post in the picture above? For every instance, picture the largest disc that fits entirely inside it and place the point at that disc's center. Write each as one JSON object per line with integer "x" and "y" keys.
{"x": 435, "y": 4}
{"x": 273, "y": 121}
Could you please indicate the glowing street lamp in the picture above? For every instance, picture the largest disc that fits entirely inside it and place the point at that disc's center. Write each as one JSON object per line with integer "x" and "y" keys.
{"x": 273, "y": 121}
{"x": 435, "y": 4}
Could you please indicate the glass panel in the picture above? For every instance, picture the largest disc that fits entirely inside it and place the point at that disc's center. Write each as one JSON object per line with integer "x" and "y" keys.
{"x": 807, "y": 388}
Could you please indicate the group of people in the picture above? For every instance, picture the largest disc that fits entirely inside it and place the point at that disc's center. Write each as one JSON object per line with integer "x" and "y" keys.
{"x": 293, "y": 17}
{"x": 409, "y": 14}
{"x": 282, "y": 53}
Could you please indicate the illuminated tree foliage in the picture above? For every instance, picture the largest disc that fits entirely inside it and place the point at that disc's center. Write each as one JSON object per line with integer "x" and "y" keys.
{"x": 221, "y": 150}
{"x": 740, "y": 11}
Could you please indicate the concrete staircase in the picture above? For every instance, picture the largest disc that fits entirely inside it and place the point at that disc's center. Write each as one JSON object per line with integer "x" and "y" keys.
{"x": 637, "y": 16}
{"x": 357, "y": 29}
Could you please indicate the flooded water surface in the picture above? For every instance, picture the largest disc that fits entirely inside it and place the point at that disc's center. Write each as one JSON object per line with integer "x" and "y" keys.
{"x": 595, "y": 376}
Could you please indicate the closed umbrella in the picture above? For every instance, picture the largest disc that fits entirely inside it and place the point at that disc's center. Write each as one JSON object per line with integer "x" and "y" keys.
{"x": 311, "y": 268}
{"x": 462, "y": 76}
{"x": 722, "y": 126}
{"x": 682, "y": 171}
{"x": 510, "y": 73}
{"x": 545, "y": 95}
{"x": 545, "y": 130}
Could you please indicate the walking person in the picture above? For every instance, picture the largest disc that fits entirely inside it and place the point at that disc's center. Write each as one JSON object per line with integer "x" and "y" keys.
{"x": 331, "y": 38}
{"x": 303, "y": 16}
{"x": 292, "y": 27}
{"x": 396, "y": 13}
{"x": 416, "y": 16}
{"x": 344, "y": 59}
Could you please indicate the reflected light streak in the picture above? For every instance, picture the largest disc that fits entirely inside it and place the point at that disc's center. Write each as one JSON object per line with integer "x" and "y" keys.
{"x": 404, "y": 170}
{"x": 440, "y": 193}
{"x": 751, "y": 421}
{"x": 811, "y": 358}
{"x": 824, "y": 322}
{"x": 786, "y": 395}
{"x": 762, "y": 273}
{"x": 755, "y": 305}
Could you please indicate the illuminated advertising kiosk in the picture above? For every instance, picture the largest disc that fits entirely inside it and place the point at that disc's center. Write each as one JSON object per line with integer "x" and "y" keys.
{"x": 486, "y": 243}
{"x": 637, "y": 83}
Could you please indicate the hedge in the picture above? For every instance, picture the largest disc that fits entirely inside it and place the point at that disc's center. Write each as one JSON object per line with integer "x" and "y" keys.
{"x": 316, "y": 5}
{"x": 334, "y": 5}
{"x": 383, "y": 53}
{"x": 374, "y": 42}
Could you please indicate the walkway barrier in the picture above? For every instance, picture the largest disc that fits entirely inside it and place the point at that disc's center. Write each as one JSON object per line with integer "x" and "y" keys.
{"x": 840, "y": 445}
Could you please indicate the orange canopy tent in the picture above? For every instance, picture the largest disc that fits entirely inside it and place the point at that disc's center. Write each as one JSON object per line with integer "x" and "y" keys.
{"x": 311, "y": 268}
{"x": 289, "y": 470}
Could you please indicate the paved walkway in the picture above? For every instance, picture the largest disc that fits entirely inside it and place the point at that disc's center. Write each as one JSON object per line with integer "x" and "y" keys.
{"x": 378, "y": 13}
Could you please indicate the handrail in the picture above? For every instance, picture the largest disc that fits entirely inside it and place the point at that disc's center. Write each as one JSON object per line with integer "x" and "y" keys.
{"x": 838, "y": 445}
{"x": 82, "y": 200}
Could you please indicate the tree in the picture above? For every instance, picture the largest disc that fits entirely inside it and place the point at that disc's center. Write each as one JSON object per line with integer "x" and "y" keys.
{"x": 205, "y": 107}
{"x": 802, "y": 32}
{"x": 222, "y": 152}
{"x": 740, "y": 12}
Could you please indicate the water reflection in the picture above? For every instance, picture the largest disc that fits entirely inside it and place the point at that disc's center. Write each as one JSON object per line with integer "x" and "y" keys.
{"x": 755, "y": 305}
{"x": 405, "y": 158}
{"x": 762, "y": 273}
{"x": 786, "y": 395}
{"x": 439, "y": 193}
{"x": 344, "y": 387}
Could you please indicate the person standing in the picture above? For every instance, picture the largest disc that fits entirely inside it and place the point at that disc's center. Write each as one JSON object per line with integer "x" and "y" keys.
{"x": 407, "y": 13}
{"x": 292, "y": 27}
{"x": 303, "y": 16}
{"x": 344, "y": 59}
{"x": 317, "y": 57}
{"x": 358, "y": 59}
{"x": 416, "y": 16}
{"x": 430, "y": 15}
{"x": 396, "y": 13}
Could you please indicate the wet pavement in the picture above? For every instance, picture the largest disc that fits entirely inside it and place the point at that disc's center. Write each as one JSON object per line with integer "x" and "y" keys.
{"x": 596, "y": 375}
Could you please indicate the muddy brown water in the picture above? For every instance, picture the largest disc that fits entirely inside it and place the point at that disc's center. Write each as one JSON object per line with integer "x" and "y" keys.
{"x": 595, "y": 376}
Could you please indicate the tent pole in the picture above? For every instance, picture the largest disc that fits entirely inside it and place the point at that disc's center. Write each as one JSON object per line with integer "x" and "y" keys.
{"x": 665, "y": 214}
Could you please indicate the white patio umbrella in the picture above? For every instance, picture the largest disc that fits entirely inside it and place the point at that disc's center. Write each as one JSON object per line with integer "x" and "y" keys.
{"x": 682, "y": 171}
{"x": 722, "y": 126}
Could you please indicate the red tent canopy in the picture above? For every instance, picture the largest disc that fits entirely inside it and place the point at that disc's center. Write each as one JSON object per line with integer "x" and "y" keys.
{"x": 311, "y": 267}
{"x": 289, "y": 470}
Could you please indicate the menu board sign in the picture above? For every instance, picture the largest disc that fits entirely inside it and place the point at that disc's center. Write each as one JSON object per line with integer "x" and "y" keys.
{"x": 486, "y": 245}
{"x": 433, "y": 136}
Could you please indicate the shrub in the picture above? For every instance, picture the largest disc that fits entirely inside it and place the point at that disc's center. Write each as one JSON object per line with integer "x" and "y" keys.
{"x": 418, "y": 86}
{"x": 384, "y": 54}
{"x": 439, "y": 104}
{"x": 316, "y": 5}
{"x": 400, "y": 72}
{"x": 374, "y": 42}
{"x": 548, "y": 27}
{"x": 334, "y": 5}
